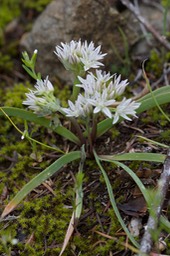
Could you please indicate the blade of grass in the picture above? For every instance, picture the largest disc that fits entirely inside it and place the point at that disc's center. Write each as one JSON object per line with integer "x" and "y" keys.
{"x": 41, "y": 177}
{"x": 165, "y": 224}
{"x": 153, "y": 142}
{"x": 160, "y": 91}
{"x": 113, "y": 202}
{"x": 133, "y": 176}
{"x": 69, "y": 233}
{"x": 151, "y": 157}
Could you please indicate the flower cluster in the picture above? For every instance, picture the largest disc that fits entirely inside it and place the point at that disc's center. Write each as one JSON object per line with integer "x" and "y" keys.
{"x": 100, "y": 93}
{"x": 77, "y": 56}
{"x": 42, "y": 100}
{"x": 97, "y": 92}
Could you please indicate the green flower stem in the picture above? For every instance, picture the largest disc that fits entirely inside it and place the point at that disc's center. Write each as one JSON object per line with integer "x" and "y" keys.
{"x": 166, "y": 9}
{"x": 90, "y": 142}
{"x": 76, "y": 90}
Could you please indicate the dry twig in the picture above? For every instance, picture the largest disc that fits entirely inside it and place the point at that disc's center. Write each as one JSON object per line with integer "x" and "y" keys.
{"x": 147, "y": 25}
{"x": 163, "y": 184}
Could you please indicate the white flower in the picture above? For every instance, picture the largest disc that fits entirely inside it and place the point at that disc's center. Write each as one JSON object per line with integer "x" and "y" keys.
{"x": 119, "y": 85}
{"x": 91, "y": 56}
{"x": 93, "y": 83}
{"x": 103, "y": 77}
{"x": 81, "y": 107}
{"x": 34, "y": 102}
{"x": 43, "y": 87}
{"x": 101, "y": 103}
{"x": 77, "y": 56}
{"x": 126, "y": 107}
{"x": 41, "y": 100}
{"x": 101, "y": 92}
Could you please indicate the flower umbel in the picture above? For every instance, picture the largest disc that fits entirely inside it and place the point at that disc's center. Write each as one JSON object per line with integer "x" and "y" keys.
{"x": 42, "y": 100}
{"x": 101, "y": 92}
{"x": 77, "y": 56}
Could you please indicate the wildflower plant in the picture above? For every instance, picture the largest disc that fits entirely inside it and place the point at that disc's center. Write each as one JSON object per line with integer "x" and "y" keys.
{"x": 96, "y": 95}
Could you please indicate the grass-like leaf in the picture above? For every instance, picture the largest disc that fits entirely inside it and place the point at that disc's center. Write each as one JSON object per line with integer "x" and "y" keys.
{"x": 113, "y": 202}
{"x": 151, "y": 157}
{"x": 40, "y": 178}
{"x": 133, "y": 176}
{"x": 29, "y": 116}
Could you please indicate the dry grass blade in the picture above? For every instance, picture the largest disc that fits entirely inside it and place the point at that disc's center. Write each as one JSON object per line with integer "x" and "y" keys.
{"x": 68, "y": 233}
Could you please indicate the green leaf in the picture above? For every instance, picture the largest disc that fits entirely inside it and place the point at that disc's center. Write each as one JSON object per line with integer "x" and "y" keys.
{"x": 29, "y": 116}
{"x": 162, "y": 96}
{"x": 151, "y": 157}
{"x": 133, "y": 176}
{"x": 113, "y": 202}
{"x": 157, "y": 92}
{"x": 30, "y": 72}
{"x": 40, "y": 178}
{"x": 165, "y": 224}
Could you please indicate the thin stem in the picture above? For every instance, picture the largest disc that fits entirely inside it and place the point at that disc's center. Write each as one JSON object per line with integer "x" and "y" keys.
{"x": 78, "y": 129}
{"x": 90, "y": 140}
{"x": 76, "y": 90}
{"x": 26, "y": 135}
{"x": 94, "y": 128}
{"x": 165, "y": 21}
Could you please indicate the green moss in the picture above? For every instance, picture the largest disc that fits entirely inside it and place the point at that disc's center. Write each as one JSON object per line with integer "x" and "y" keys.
{"x": 164, "y": 137}
{"x": 63, "y": 94}
{"x": 155, "y": 116}
{"x": 38, "y": 5}
{"x": 114, "y": 133}
{"x": 5, "y": 63}
{"x": 47, "y": 219}
{"x": 155, "y": 64}
{"x": 156, "y": 61}
{"x": 15, "y": 96}
{"x": 10, "y": 9}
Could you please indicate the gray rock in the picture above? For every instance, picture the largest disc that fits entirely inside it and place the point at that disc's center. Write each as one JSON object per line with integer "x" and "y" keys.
{"x": 92, "y": 20}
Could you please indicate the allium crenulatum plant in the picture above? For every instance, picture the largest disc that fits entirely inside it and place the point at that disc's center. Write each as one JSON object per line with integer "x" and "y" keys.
{"x": 96, "y": 95}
